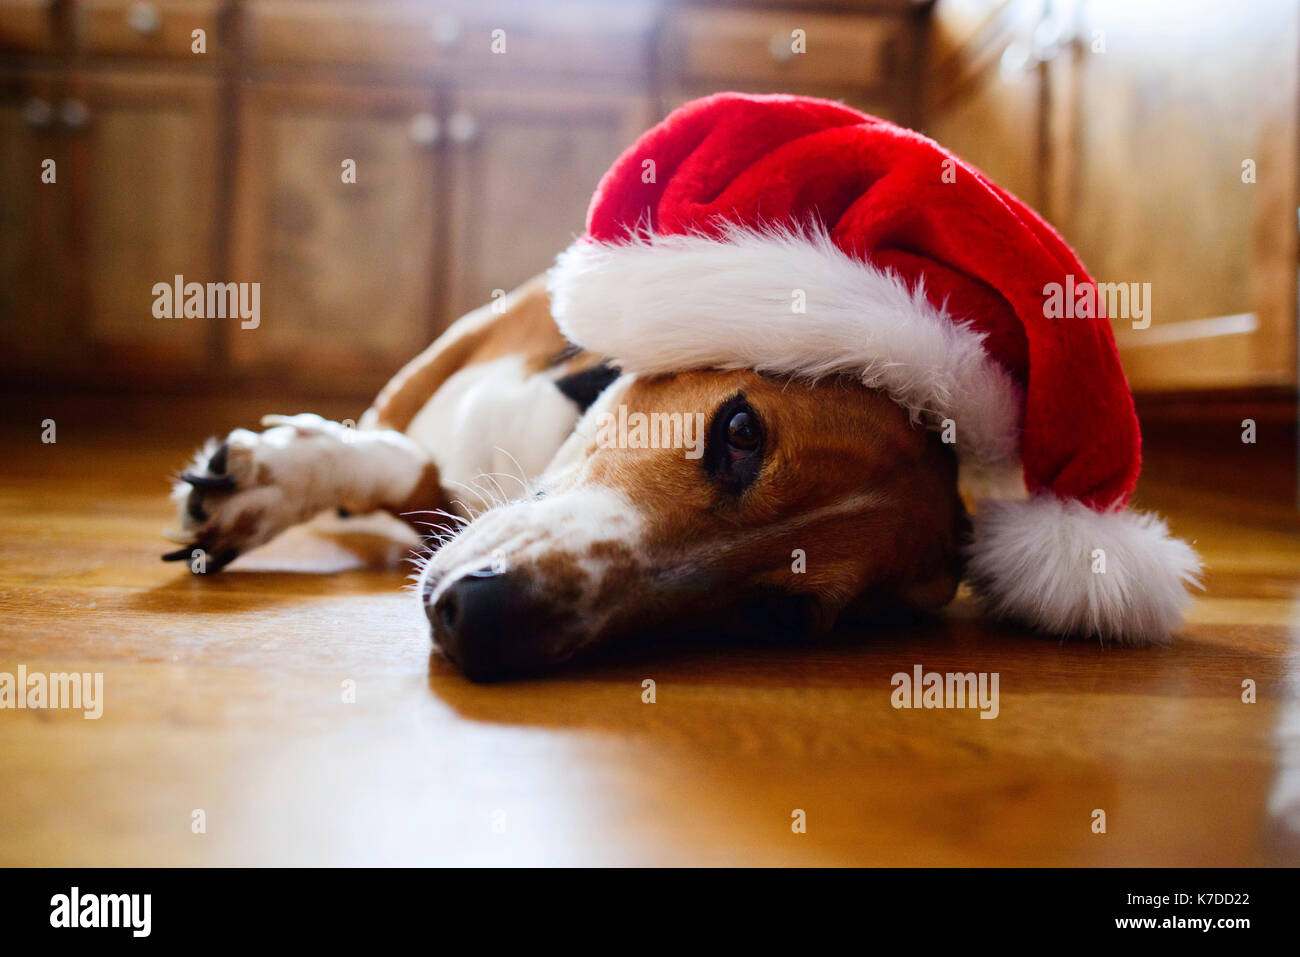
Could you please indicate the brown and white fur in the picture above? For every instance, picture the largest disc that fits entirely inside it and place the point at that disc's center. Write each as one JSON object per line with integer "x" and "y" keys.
{"x": 556, "y": 542}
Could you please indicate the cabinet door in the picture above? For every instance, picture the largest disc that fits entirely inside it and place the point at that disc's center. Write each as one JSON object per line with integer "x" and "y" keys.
{"x": 347, "y": 270}
{"x": 144, "y": 151}
{"x": 524, "y": 167}
{"x": 1178, "y": 111}
{"x": 984, "y": 90}
{"x": 29, "y": 26}
{"x": 864, "y": 59}
{"x": 37, "y": 331}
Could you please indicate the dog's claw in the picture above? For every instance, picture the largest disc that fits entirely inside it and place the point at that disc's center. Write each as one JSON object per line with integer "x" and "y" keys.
{"x": 213, "y": 561}
{"x": 217, "y": 562}
{"x": 194, "y": 505}
{"x": 228, "y": 501}
{"x": 217, "y": 464}
{"x": 214, "y": 483}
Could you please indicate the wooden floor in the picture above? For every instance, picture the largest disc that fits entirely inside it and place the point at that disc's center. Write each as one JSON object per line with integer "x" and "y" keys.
{"x": 225, "y": 695}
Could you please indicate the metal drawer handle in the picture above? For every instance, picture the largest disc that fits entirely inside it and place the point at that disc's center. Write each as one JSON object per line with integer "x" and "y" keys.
{"x": 446, "y": 30}
{"x": 143, "y": 18}
{"x": 74, "y": 114}
{"x": 1050, "y": 36}
{"x": 462, "y": 128}
{"x": 780, "y": 47}
{"x": 1014, "y": 62}
{"x": 38, "y": 113}
{"x": 425, "y": 130}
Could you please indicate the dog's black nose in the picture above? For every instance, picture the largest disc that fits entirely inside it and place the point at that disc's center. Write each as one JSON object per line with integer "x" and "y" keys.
{"x": 489, "y": 626}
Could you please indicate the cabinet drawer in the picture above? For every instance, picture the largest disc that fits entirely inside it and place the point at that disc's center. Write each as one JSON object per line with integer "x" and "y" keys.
{"x": 451, "y": 38}
{"x": 758, "y": 48}
{"x": 27, "y": 26}
{"x": 161, "y": 28}
{"x": 393, "y": 34}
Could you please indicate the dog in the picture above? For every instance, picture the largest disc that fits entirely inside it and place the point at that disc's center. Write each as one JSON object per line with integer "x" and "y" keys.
{"x": 746, "y": 391}
{"x": 592, "y": 540}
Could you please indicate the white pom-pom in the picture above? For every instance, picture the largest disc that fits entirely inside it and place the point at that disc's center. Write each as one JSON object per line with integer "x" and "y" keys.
{"x": 1071, "y": 570}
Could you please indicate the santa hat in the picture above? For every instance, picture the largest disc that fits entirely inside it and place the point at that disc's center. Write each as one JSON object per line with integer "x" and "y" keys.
{"x": 797, "y": 236}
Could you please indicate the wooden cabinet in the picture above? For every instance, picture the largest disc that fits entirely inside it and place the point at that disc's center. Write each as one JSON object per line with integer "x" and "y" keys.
{"x": 1187, "y": 179}
{"x": 337, "y": 220}
{"x": 352, "y": 274}
{"x": 127, "y": 200}
{"x": 1164, "y": 147}
{"x": 478, "y": 130}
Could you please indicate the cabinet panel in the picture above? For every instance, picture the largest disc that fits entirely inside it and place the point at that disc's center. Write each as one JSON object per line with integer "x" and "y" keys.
{"x": 144, "y": 153}
{"x": 348, "y": 270}
{"x": 524, "y": 168}
{"x": 36, "y": 328}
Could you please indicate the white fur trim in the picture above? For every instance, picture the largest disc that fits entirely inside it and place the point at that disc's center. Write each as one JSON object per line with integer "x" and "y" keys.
{"x": 659, "y": 304}
{"x": 1034, "y": 561}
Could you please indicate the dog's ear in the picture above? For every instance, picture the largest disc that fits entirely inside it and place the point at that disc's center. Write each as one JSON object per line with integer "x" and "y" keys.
{"x": 930, "y": 557}
{"x": 937, "y": 577}
{"x": 939, "y": 535}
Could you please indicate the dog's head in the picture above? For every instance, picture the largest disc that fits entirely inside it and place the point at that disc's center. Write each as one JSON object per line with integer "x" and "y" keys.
{"x": 700, "y": 492}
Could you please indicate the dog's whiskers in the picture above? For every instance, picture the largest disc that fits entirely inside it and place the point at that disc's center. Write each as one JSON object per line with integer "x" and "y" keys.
{"x": 521, "y": 478}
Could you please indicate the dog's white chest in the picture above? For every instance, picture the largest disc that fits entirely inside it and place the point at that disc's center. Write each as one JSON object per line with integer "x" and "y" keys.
{"x": 492, "y": 418}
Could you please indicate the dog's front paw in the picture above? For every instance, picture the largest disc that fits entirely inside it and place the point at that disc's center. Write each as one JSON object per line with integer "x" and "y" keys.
{"x": 244, "y": 491}
{"x": 229, "y": 502}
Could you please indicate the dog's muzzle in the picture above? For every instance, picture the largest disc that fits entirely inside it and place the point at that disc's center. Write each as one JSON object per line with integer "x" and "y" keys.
{"x": 491, "y": 626}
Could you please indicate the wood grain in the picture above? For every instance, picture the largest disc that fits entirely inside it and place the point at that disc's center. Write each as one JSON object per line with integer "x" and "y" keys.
{"x": 224, "y": 694}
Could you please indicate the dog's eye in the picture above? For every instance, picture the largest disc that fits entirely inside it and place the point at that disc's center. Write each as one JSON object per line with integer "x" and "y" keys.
{"x": 734, "y": 452}
{"x": 743, "y": 433}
